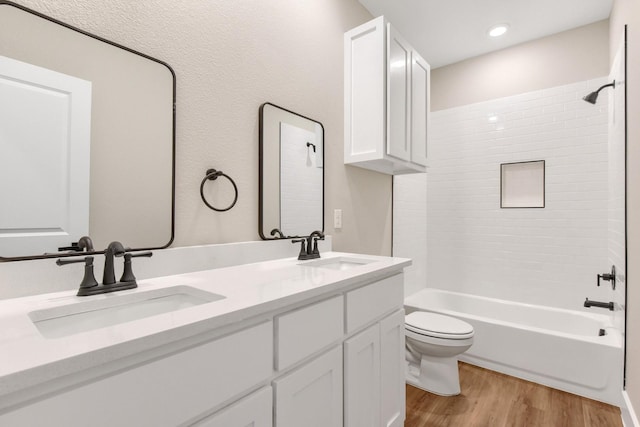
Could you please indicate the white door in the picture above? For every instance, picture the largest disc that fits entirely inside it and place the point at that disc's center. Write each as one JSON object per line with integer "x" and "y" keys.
{"x": 254, "y": 410}
{"x": 311, "y": 396}
{"x": 362, "y": 379}
{"x": 398, "y": 95}
{"x": 392, "y": 373}
{"x": 45, "y": 119}
{"x": 420, "y": 80}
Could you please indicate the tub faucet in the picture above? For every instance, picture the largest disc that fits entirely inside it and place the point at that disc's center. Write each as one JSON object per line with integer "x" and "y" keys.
{"x": 589, "y": 304}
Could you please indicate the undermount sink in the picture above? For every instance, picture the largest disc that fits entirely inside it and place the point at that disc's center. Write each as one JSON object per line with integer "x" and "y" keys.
{"x": 114, "y": 309}
{"x": 338, "y": 263}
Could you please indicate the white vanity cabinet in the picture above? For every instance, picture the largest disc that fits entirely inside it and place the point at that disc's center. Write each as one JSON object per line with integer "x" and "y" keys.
{"x": 254, "y": 410}
{"x": 311, "y": 396}
{"x": 169, "y": 391}
{"x": 374, "y": 358}
{"x": 386, "y": 107}
{"x": 330, "y": 360}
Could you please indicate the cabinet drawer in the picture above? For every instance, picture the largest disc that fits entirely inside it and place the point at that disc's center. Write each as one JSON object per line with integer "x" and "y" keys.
{"x": 372, "y": 301}
{"x": 254, "y": 410}
{"x": 166, "y": 392}
{"x": 302, "y": 332}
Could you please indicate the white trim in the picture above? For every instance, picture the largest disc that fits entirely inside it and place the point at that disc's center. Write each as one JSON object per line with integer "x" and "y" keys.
{"x": 629, "y": 417}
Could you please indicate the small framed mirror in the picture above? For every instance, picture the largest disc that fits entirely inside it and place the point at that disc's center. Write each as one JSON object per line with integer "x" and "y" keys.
{"x": 291, "y": 174}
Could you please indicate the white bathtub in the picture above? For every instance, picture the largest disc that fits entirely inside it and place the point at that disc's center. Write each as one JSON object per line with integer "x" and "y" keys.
{"x": 555, "y": 347}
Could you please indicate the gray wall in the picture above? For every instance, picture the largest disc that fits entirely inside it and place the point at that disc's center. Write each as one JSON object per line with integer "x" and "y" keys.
{"x": 571, "y": 56}
{"x": 229, "y": 58}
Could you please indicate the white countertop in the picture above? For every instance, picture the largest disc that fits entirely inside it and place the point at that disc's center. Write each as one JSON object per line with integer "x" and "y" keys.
{"x": 27, "y": 359}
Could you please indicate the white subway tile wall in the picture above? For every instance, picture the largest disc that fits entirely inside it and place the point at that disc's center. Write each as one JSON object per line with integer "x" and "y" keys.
{"x": 410, "y": 228}
{"x": 546, "y": 256}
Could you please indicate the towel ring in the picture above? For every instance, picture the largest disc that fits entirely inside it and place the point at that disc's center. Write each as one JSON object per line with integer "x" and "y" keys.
{"x": 212, "y": 175}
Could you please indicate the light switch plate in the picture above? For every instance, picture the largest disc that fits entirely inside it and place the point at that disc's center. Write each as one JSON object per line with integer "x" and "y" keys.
{"x": 337, "y": 218}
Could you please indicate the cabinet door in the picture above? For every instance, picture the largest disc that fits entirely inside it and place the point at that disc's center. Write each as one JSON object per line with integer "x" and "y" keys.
{"x": 420, "y": 102}
{"x": 398, "y": 95}
{"x": 311, "y": 396}
{"x": 362, "y": 379}
{"x": 254, "y": 410}
{"x": 392, "y": 373}
{"x": 364, "y": 92}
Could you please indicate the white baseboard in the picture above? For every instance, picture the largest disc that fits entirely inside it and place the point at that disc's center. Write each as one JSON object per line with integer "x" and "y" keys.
{"x": 629, "y": 417}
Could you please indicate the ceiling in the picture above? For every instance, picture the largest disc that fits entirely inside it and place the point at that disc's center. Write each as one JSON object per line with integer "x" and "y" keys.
{"x": 448, "y": 31}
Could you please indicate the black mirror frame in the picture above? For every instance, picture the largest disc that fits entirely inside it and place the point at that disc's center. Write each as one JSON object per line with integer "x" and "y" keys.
{"x": 261, "y": 231}
{"x": 173, "y": 139}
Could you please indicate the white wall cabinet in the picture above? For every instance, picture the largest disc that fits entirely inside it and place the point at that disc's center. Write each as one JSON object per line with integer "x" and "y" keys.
{"x": 387, "y": 86}
{"x": 334, "y": 360}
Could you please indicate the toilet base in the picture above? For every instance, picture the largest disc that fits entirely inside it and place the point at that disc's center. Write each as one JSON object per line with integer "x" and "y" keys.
{"x": 438, "y": 375}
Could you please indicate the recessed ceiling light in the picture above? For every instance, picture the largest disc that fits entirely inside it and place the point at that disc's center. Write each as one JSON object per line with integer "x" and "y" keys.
{"x": 498, "y": 30}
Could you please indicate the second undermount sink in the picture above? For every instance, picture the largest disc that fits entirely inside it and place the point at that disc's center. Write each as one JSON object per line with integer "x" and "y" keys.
{"x": 113, "y": 309}
{"x": 338, "y": 263}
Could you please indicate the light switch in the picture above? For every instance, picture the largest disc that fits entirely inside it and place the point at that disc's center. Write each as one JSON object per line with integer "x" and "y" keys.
{"x": 337, "y": 218}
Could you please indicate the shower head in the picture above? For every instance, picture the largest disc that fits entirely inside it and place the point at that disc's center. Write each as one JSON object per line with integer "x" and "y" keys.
{"x": 593, "y": 96}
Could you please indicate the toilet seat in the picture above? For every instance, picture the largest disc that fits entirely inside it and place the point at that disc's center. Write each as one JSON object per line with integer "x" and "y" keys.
{"x": 438, "y": 326}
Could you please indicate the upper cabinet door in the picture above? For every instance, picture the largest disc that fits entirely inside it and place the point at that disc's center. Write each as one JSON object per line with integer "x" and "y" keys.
{"x": 420, "y": 105}
{"x": 364, "y": 83}
{"x": 378, "y": 101}
{"x": 398, "y": 95}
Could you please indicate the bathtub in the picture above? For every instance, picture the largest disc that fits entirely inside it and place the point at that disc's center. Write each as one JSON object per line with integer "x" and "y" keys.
{"x": 555, "y": 347}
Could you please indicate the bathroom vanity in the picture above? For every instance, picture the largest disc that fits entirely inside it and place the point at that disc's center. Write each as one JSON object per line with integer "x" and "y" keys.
{"x": 284, "y": 342}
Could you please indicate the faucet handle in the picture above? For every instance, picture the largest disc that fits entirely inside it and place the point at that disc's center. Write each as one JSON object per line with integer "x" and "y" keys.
{"x": 303, "y": 252}
{"x": 127, "y": 273}
{"x": 608, "y": 277}
{"x": 88, "y": 280}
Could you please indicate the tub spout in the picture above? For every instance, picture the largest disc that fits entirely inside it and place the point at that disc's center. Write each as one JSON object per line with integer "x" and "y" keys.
{"x": 589, "y": 304}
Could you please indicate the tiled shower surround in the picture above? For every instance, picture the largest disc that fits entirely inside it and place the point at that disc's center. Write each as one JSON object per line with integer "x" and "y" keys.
{"x": 547, "y": 256}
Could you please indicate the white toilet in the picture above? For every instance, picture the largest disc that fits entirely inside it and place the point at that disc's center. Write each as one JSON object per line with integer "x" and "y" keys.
{"x": 433, "y": 343}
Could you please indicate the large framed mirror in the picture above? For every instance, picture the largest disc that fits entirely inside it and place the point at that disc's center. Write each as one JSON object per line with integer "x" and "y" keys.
{"x": 87, "y": 140}
{"x": 291, "y": 174}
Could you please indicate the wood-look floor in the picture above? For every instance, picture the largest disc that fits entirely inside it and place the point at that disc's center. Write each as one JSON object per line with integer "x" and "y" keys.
{"x": 491, "y": 399}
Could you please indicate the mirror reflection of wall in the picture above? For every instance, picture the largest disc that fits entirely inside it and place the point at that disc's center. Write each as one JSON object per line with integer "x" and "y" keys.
{"x": 292, "y": 173}
{"x": 300, "y": 180}
{"x": 129, "y": 196}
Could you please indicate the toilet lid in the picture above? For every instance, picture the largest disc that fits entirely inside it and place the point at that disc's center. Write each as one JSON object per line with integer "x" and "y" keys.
{"x": 437, "y": 325}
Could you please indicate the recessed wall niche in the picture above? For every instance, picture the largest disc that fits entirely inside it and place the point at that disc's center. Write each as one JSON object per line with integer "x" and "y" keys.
{"x": 522, "y": 184}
